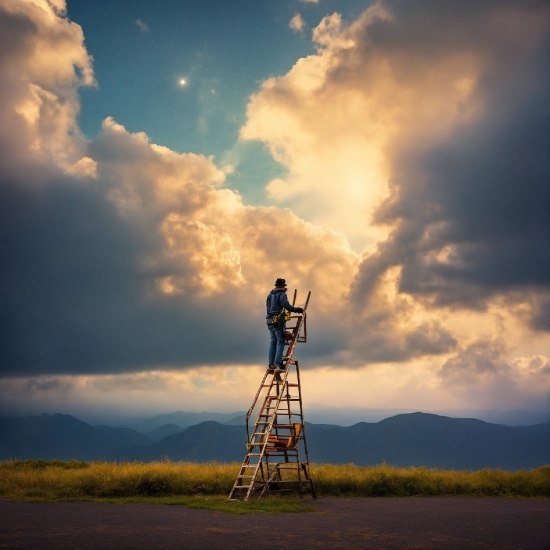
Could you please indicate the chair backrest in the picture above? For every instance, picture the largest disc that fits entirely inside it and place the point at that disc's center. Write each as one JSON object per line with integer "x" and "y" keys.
{"x": 293, "y": 439}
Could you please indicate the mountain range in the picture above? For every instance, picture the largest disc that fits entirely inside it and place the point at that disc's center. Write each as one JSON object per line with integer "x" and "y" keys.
{"x": 182, "y": 419}
{"x": 414, "y": 439}
{"x": 348, "y": 416}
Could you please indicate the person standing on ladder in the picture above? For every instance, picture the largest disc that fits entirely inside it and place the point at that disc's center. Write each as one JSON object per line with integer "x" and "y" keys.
{"x": 278, "y": 308}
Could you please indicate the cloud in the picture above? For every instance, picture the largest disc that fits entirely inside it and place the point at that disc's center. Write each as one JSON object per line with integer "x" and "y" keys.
{"x": 310, "y": 1}
{"x": 143, "y": 27}
{"x": 521, "y": 382}
{"x": 417, "y": 134}
{"x": 43, "y": 63}
{"x": 105, "y": 397}
{"x": 421, "y": 131}
{"x": 120, "y": 254}
{"x": 482, "y": 368}
{"x": 297, "y": 23}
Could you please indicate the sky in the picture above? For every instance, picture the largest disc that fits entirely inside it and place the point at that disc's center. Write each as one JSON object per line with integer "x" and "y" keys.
{"x": 163, "y": 162}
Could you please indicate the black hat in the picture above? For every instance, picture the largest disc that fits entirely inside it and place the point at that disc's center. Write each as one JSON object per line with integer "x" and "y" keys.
{"x": 280, "y": 283}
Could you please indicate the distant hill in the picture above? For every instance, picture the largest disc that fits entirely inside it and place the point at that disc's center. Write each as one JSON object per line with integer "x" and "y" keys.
{"x": 238, "y": 420}
{"x": 164, "y": 431}
{"x": 514, "y": 417}
{"x": 200, "y": 443}
{"x": 182, "y": 419}
{"x": 420, "y": 439}
{"x": 62, "y": 436}
{"x": 416, "y": 439}
{"x": 348, "y": 416}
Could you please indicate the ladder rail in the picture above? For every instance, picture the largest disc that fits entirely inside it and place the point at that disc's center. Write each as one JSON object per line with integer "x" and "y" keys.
{"x": 249, "y": 413}
{"x": 303, "y": 434}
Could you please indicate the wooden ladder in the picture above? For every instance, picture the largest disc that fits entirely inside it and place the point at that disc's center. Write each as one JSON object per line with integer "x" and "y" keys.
{"x": 272, "y": 463}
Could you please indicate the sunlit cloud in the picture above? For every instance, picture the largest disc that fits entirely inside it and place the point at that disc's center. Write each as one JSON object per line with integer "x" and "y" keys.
{"x": 297, "y": 23}
{"x": 412, "y": 209}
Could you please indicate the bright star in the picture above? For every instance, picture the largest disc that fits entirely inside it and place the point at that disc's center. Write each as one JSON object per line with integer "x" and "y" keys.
{"x": 183, "y": 82}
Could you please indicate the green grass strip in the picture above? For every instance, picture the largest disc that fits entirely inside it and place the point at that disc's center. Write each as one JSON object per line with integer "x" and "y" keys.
{"x": 216, "y": 503}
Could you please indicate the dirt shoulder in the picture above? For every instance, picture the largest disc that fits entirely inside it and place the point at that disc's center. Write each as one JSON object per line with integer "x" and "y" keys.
{"x": 340, "y": 523}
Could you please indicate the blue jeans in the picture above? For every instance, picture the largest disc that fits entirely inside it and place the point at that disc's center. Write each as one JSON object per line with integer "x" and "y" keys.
{"x": 277, "y": 344}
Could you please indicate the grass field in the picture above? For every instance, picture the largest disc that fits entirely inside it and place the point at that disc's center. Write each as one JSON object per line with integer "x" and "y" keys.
{"x": 206, "y": 485}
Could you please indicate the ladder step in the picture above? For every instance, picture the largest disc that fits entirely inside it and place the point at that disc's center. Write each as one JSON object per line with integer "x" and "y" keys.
{"x": 286, "y": 481}
{"x": 284, "y": 426}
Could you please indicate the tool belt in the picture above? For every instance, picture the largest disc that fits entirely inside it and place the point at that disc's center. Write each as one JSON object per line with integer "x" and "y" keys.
{"x": 281, "y": 317}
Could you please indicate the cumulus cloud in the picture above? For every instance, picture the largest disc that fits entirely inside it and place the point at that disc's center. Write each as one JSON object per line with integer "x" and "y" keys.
{"x": 417, "y": 134}
{"x": 297, "y": 23}
{"x": 43, "y": 63}
{"x": 421, "y": 131}
{"x": 121, "y": 254}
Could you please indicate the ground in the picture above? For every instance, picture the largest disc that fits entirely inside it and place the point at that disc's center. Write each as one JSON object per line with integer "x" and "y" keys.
{"x": 339, "y": 523}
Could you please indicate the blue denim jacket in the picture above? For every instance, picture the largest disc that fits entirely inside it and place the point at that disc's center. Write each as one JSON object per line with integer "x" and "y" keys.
{"x": 276, "y": 301}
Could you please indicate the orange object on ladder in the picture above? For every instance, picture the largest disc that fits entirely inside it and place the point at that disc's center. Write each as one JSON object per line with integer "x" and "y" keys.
{"x": 272, "y": 463}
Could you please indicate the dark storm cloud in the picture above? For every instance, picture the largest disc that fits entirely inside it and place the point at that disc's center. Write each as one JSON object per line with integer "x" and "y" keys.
{"x": 75, "y": 296}
{"x": 484, "y": 191}
{"x": 77, "y": 293}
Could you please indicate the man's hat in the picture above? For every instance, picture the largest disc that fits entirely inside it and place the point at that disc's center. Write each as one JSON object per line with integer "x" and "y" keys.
{"x": 280, "y": 283}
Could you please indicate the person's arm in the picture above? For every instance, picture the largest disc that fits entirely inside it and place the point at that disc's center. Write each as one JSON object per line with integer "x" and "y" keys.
{"x": 286, "y": 304}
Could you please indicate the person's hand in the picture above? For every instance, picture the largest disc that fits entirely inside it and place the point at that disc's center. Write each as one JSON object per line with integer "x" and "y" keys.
{"x": 299, "y": 310}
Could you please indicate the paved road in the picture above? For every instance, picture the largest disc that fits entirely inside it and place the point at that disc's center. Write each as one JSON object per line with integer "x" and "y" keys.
{"x": 340, "y": 523}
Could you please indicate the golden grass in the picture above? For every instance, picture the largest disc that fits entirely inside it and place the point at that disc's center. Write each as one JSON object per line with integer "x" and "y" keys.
{"x": 73, "y": 480}
{"x": 351, "y": 480}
